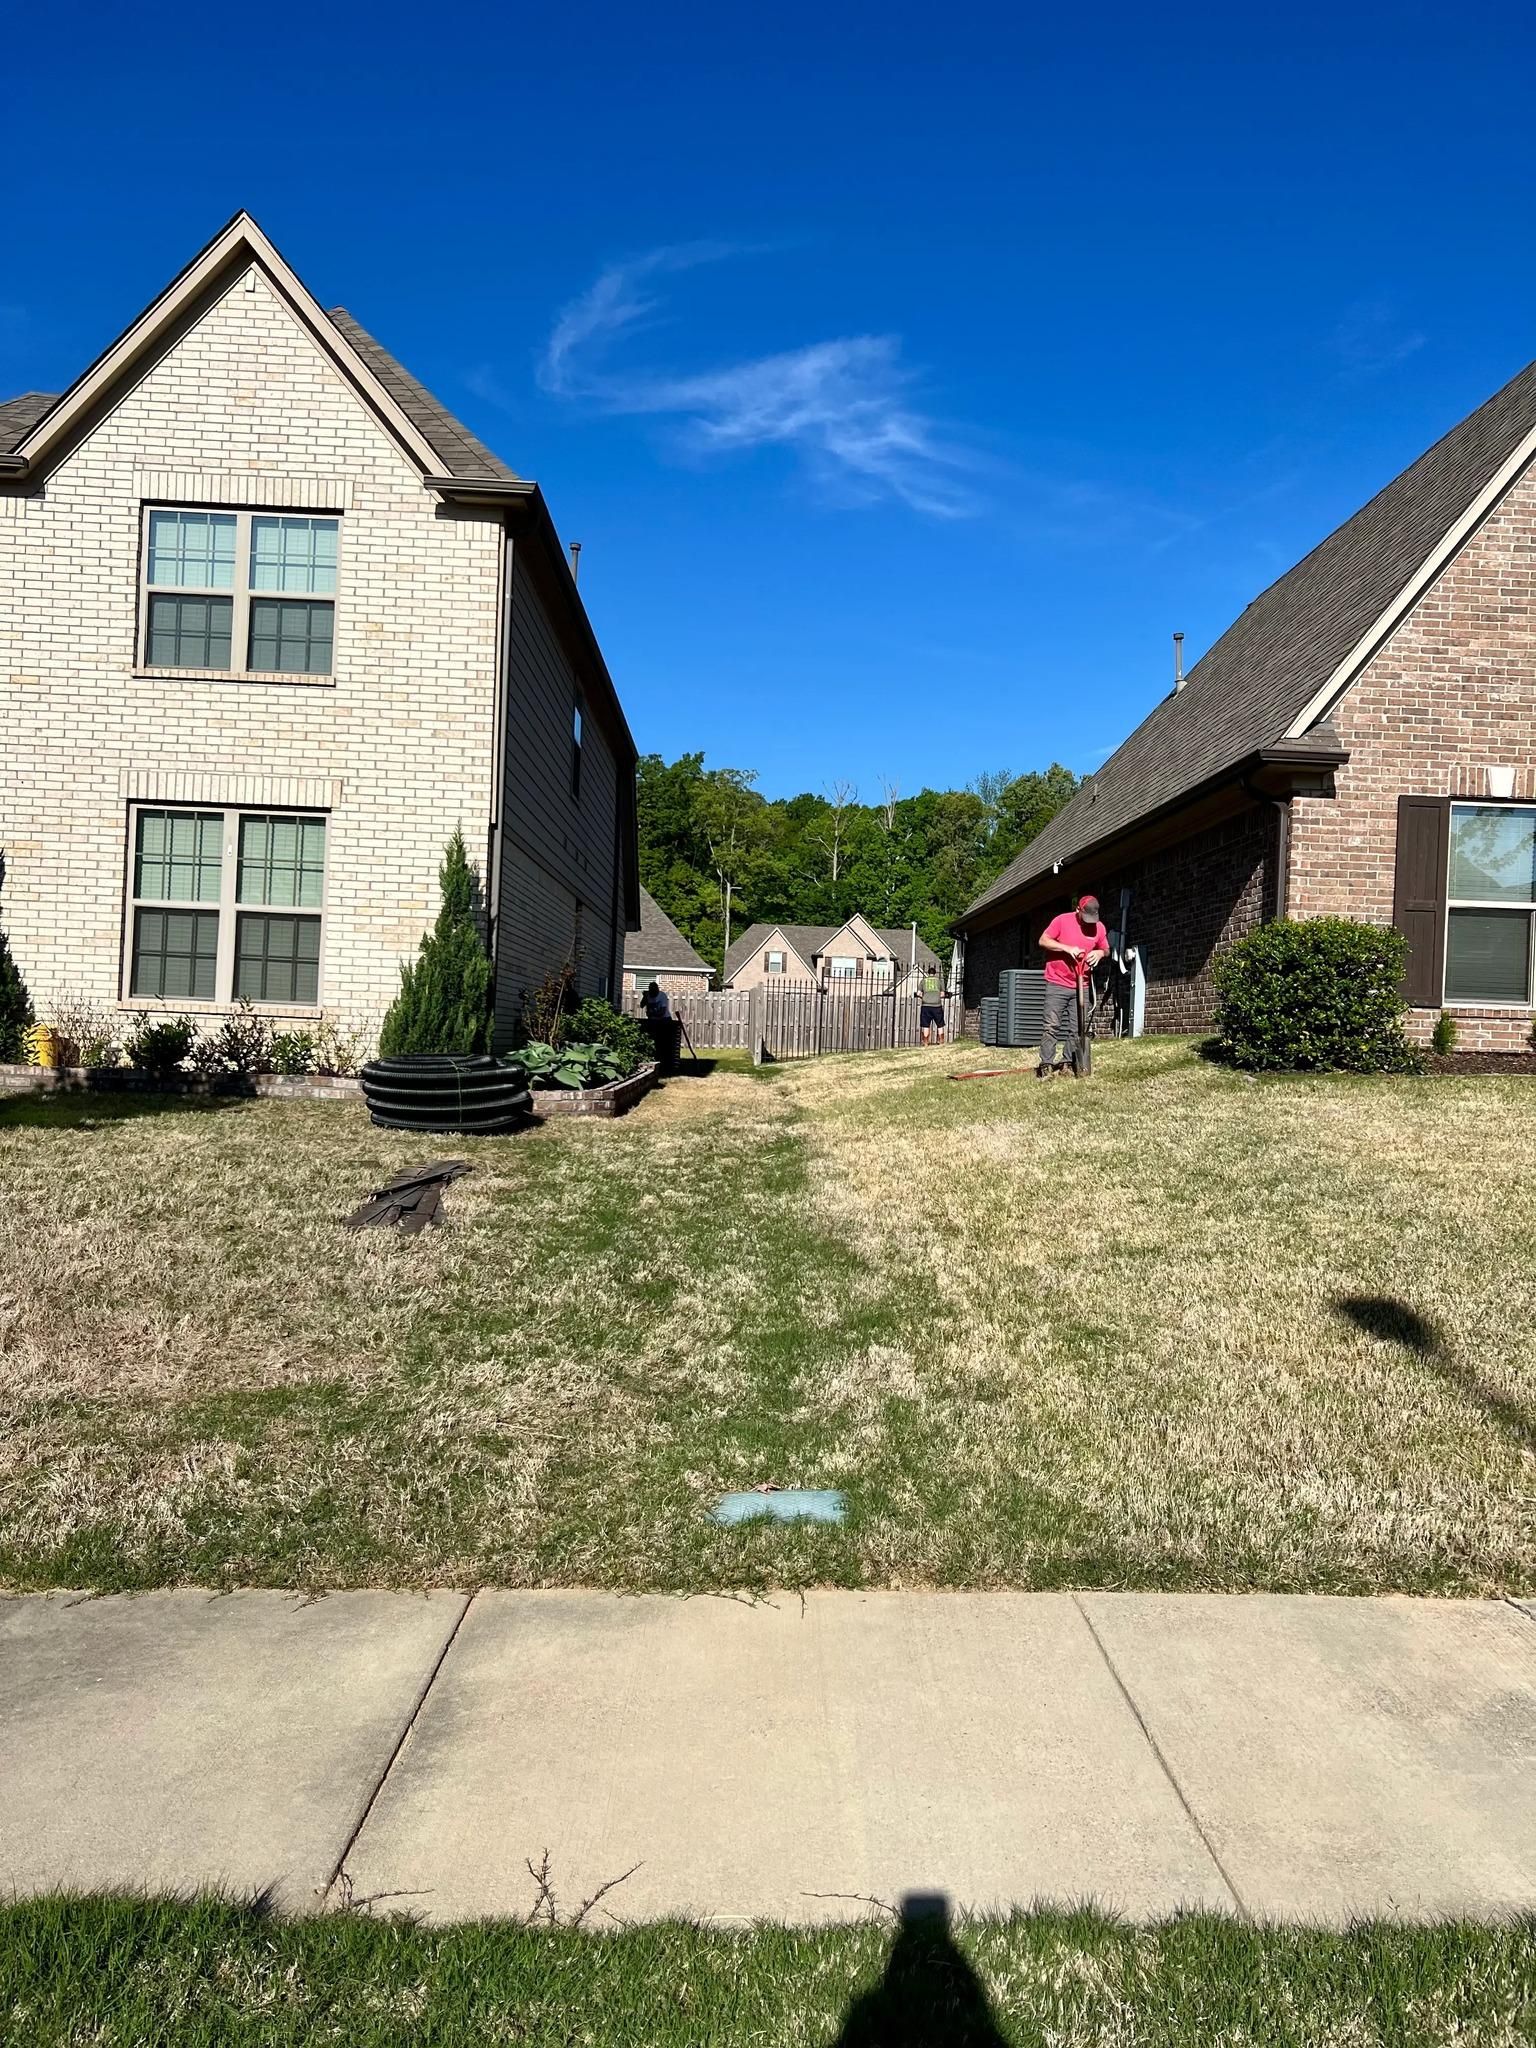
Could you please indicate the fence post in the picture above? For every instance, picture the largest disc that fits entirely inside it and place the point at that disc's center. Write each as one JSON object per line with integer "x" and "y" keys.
{"x": 755, "y": 1022}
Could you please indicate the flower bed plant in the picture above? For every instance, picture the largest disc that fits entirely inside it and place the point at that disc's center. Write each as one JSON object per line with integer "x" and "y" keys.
{"x": 573, "y": 1066}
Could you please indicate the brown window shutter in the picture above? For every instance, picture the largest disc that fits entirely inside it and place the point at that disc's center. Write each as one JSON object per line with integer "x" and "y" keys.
{"x": 1418, "y": 900}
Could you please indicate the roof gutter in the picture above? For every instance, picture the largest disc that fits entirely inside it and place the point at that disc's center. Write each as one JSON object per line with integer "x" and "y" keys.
{"x": 1321, "y": 758}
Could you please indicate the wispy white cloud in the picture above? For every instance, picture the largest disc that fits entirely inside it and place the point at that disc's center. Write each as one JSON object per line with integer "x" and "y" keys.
{"x": 1372, "y": 336}
{"x": 483, "y": 381}
{"x": 846, "y": 407}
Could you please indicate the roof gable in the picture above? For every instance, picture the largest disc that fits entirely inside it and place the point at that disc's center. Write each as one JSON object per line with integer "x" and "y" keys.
{"x": 1279, "y": 667}
{"x": 434, "y": 441}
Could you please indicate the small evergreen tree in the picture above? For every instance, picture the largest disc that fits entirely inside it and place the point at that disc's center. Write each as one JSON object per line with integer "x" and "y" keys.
{"x": 16, "y": 1015}
{"x": 444, "y": 1004}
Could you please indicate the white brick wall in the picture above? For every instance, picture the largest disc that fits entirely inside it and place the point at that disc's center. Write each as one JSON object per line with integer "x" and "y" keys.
{"x": 244, "y": 408}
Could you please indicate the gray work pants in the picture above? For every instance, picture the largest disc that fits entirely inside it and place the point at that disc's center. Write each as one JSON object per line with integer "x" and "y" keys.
{"x": 1060, "y": 1025}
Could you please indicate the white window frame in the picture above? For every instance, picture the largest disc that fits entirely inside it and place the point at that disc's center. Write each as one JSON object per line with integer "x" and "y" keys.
{"x": 1448, "y": 1001}
{"x": 882, "y": 967}
{"x": 242, "y": 594}
{"x": 843, "y": 967}
{"x": 229, "y": 910}
{"x": 771, "y": 954}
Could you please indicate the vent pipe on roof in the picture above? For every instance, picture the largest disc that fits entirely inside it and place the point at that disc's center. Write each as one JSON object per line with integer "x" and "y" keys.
{"x": 575, "y": 561}
{"x": 1178, "y": 661}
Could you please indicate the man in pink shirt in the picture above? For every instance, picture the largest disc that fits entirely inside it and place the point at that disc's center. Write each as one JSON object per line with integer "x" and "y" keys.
{"x": 1073, "y": 945}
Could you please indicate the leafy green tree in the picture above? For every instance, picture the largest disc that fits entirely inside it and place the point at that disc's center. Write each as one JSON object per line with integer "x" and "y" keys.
{"x": 444, "y": 1004}
{"x": 16, "y": 1015}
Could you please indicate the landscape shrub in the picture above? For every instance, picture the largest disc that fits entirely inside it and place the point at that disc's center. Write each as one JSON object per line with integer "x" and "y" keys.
{"x": 339, "y": 1050}
{"x": 292, "y": 1052}
{"x": 161, "y": 1048}
{"x": 241, "y": 1046}
{"x": 83, "y": 1034}
{"x": 547, "y": 1008}
{"x": 1443, "y": 1037}
{"x": 16, "y": 1017}
{"x": 596, "y": 1022}
{"x": 444, "y": 1004}
{"x": 1323, "y": 994}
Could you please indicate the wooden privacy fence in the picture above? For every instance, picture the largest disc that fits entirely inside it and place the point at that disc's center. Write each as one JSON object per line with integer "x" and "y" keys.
{"x": 797, "y": 1022}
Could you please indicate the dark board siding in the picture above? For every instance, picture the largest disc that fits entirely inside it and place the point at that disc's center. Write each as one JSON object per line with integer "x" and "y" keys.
{"x": 558, "y": 853}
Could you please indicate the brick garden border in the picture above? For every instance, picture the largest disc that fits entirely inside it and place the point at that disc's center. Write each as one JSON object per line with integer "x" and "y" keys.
{"x": 15, "y": 1080}
{"x": 611, "y": 1100}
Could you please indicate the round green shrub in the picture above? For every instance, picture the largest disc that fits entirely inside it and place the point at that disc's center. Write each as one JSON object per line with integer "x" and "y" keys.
{"x": 596, "y": 1022}
{"x": 1318, "y": 995}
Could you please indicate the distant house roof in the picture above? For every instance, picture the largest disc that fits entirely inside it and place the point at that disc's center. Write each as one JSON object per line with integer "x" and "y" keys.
{"x": 1259, "y": 687}
{"x": 659, "y": 947}
{"x": 810, "y": 939}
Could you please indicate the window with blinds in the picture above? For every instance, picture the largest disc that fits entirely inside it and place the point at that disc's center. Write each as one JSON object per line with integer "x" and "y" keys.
{"x": 252, "y": 592}
{"x": 226, "y": 904}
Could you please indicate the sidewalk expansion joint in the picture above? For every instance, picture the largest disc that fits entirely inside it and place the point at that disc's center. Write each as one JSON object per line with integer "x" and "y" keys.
{"x": 338, "y": 1872}
{"x": 1167, "y": 1769}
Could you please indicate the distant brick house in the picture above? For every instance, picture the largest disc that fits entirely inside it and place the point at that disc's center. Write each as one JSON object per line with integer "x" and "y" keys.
{"x": 855, "y": 953}
{"x": 272, "y": 624}
{"x": 658, "y": 952}
{"x": 1361, "y": 742}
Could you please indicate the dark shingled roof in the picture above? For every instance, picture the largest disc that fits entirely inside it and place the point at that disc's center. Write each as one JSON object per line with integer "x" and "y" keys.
{"x": 18, "y": 416}
{"x": 1262, "y": 673}
{"x": 658, "y": 945}
{"x": 810, "y": 939}
{"x": 450, "y": 440}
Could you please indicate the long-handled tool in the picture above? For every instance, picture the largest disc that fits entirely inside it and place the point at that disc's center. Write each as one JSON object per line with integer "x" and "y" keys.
{"x": 693, "y": 1052}
{"x": 1082, "y": 1058}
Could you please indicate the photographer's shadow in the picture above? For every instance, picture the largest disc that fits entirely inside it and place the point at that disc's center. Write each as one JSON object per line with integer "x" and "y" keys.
{"x": 929, "y": 1997}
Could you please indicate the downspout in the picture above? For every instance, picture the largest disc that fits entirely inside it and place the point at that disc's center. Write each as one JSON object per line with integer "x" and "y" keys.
{"x": 1281, "y": 806}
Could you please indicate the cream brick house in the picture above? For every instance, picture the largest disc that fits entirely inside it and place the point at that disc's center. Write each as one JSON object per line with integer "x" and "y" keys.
{"x": 855, "y": 954}
{"x": 272, "y": 624}
{"x": 1360, "y": 743}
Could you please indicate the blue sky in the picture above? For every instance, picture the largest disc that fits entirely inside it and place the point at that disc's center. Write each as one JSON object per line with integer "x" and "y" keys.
{"x": 907, "y": 374}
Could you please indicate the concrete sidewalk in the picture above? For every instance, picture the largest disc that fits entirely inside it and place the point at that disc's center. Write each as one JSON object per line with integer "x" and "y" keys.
{"x": 1277, "y": 1757}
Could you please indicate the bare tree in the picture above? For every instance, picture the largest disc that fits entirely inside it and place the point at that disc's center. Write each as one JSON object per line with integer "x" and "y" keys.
{"x": 727, "y": 804}
{"x": 890, "y": 797}
{"x": 841, "y": 798}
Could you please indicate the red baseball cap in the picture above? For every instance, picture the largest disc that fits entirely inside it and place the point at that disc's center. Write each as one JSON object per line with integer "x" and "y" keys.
{"x": 1087, "y": 902}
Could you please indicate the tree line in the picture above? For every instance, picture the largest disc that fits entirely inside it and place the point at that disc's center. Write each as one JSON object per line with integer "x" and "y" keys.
{"x": 715, "y": 852}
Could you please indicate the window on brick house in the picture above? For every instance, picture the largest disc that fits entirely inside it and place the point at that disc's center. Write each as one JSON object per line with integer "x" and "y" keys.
{"x": 1491, "y": 902}
{"x": 226, "y": 904}
{"x": 775, "y": 963}
{"x": 841, "y": 968}
{"x": 880, "y": 968}
{"x": 253, "y": 585}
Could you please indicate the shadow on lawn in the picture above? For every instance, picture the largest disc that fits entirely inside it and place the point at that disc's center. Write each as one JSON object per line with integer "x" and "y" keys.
{"x": 1396, "y": 1323}
{"x": 93, "y": 1109}
{"x": 929, "y": 1997}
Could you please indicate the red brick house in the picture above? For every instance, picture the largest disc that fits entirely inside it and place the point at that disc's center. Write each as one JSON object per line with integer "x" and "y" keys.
{"x": 1361, "y": 742}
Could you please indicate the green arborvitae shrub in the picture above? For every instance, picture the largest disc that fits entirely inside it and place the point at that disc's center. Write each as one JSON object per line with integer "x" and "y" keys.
{"x": 444, "y": 1004}
{"x": 1316, "y": 996}
{"x": 16, "y": 1016}
{"x": 1443, "y": 1037}
{"x": 596, "y": 1022}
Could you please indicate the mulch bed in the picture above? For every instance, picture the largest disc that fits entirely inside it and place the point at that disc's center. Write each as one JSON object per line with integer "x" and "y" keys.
{"x": 1509, "y": 1065}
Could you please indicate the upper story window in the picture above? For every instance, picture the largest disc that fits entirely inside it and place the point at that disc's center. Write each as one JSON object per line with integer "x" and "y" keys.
{"x": 576, "y": 748}
{"x": 880, "y": 968}
{"x": 257, "y": 585}
{"x": 842, "y": 968}
{"x": 1491, "y": 901}
{"x": 775, "y": 963}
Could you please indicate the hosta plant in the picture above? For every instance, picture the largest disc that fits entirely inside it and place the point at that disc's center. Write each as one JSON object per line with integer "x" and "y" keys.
{"x": 571, "y": 1066}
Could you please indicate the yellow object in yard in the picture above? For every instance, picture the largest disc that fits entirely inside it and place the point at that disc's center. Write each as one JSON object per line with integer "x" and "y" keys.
{"x": 42, "y": 1047}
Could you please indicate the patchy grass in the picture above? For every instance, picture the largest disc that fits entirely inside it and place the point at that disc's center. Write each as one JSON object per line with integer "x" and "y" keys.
{"x": 1168, "y": 1328}
{"x": 123, "y": 1973}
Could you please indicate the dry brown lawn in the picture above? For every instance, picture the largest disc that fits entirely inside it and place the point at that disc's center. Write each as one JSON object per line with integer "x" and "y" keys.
{"x": 1172, "y": 1328}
